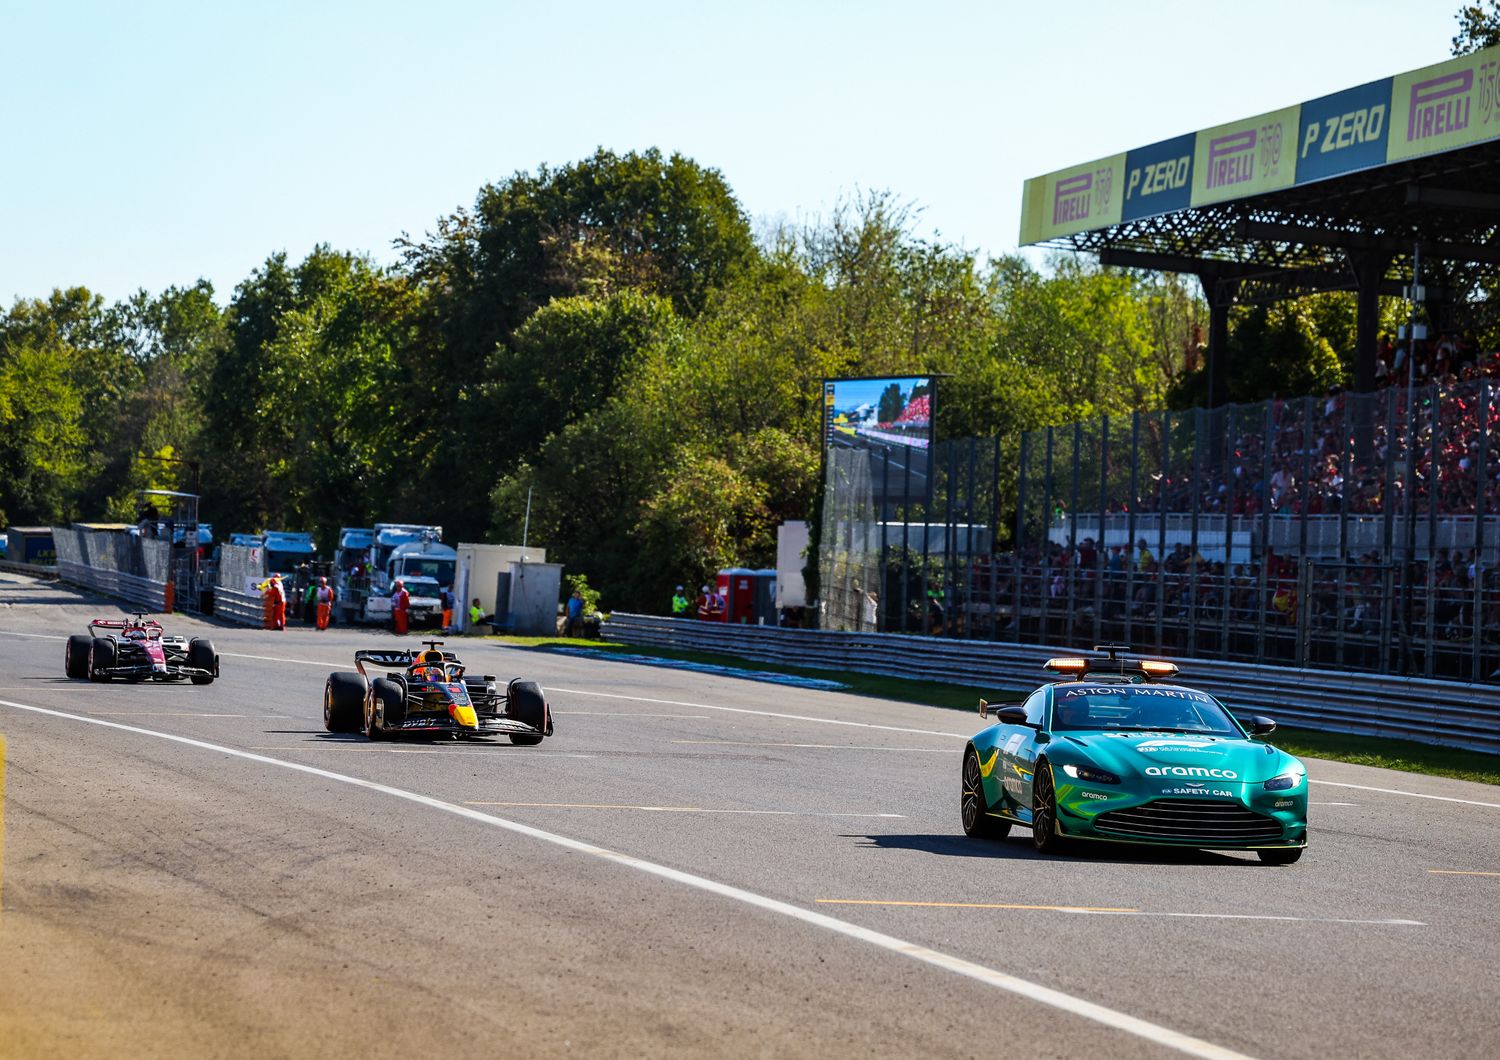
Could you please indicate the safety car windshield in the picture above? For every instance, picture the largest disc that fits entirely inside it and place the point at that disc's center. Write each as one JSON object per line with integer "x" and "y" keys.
{"x": 1142, "y": 708}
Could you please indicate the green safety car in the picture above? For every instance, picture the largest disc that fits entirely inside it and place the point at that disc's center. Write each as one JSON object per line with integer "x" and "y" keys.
{"x": 1114, "y": 750}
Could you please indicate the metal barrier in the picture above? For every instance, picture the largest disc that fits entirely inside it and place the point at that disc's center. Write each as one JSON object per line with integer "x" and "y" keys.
{"x": 32, "y": 569}
{"x": 1438, "y": 712}
{"x": 244, "y": 608}
{"x": 148, "y": 594}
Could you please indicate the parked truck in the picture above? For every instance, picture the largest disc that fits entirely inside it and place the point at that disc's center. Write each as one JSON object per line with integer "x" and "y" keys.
{"x": 406, "y": 552}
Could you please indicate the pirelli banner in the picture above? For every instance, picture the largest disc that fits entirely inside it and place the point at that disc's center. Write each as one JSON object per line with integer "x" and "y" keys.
{"x": 1438, "y": 108}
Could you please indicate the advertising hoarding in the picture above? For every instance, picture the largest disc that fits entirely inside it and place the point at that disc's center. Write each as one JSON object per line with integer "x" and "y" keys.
{"x": 1443, "y": 107}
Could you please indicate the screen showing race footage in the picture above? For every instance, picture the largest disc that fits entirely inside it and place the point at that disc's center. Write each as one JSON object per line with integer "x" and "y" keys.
{"x": 891, "y": 419}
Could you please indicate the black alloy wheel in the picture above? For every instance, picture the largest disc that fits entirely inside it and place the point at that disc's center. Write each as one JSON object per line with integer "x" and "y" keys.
{"x": 974, "y": 807}
{"x": 1044, "y": 837}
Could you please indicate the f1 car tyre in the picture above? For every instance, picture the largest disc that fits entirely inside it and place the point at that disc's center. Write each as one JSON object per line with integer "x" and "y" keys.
{"x": 201, "y": 656}
{"x": 343, "y": 702}
{"x": 388, "y": 704}
{"x": 1044, "y": 837}
{"x": 76, "y": 657}
{"x": 1282, "y": 856}
{"x": 526, "y": 703}
{"x": 974, "y": 807}
{"x": 101, "y": 658}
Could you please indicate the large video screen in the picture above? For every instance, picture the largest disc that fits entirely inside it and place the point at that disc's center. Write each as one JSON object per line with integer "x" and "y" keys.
{"x": 892, "y": 419}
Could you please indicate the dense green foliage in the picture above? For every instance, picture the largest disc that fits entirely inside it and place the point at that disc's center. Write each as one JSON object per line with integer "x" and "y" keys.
{"x": 1478, "y": 27}
{"x": 599, "y": 356}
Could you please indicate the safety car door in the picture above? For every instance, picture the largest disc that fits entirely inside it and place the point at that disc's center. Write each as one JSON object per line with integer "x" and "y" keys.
{"x": 1018, "y": 755}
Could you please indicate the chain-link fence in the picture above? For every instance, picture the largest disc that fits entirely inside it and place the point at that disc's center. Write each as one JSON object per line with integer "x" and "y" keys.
{"x": 1345, "y": 531}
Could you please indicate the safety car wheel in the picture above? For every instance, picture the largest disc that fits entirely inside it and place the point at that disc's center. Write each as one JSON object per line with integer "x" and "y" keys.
{"x": 1281, "y": 856}
{"x": 201, "y": 656}
{"x": 101, "y": 658}
{"x": 387, "y": 703}
{"x": 76, "y": 655}
{"x": 525, "y": 702}
{"x": 973, "y": 807}
{"x": 1044, "y": 837}
{"x": 343, "y": 702}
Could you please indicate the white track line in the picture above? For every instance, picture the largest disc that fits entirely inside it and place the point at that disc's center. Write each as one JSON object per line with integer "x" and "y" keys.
{"x": 820, "y": 746}
{"x": 1412, "y": 794}
{"x": 1252, "y": 916}
{"x": 988, "y": 976}
{"x": 759, "y": 713}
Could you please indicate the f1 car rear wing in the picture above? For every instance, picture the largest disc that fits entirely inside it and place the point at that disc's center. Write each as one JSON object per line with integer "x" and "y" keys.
{"x": 400, "y": 659}
{"x": 141, "y": 622}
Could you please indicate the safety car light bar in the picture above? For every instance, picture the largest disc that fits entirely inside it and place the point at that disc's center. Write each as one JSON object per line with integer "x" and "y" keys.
{"x": 1067, "y": 665}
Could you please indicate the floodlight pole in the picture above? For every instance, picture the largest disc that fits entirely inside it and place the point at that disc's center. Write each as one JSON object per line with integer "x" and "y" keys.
{"x": 526, "y": 525}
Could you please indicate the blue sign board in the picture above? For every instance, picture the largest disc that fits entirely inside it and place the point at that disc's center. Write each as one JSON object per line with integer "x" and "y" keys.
{"x": 1344, "y": 132}
{"x": 1159, "y": 178}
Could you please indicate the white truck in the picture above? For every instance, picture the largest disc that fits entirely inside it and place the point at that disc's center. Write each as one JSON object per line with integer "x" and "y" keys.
{"x": 415, "y": 556}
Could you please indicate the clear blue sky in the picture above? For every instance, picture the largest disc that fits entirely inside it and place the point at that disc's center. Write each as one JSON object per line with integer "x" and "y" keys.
{"x": 153, "y": 143}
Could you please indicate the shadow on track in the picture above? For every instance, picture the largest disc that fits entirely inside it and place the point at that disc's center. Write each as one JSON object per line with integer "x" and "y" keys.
{"x": 1019, "y": 849}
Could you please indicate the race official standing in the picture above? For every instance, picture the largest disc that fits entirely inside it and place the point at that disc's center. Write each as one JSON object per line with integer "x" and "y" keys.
{"x": 680, "y": 604}
{"x": 275, "y": 602}
{"x": 448, "y": 599}
{"x": 323, "y": 598}
{"x": 400, "y": 609}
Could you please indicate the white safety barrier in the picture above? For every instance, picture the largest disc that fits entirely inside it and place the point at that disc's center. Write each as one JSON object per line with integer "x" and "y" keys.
{"x": 150, "y": 595}
{"x": 1450, "y": 713}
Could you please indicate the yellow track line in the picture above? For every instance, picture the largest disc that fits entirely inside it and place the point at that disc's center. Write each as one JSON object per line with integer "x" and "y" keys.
{"x": 1460, "y": 872}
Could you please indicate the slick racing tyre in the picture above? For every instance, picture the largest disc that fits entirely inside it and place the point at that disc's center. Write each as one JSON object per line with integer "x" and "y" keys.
{"x": 526, "y": 703}
{"x": 76, "y": 655}
{"x": 386, "y": 709}
{"x": 101, "y": 658}
{"x": 343, "y": 702}
{"x": 972, "y": 805}
{"x": 201, "y": 656}
{"x": 1044, "y": 837}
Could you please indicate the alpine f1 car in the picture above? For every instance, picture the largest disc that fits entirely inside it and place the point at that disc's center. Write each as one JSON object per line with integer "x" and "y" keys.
{"x": 137, "y": 649}
{"x": 1112, "y": 751}
{"x": 427, "y": 691}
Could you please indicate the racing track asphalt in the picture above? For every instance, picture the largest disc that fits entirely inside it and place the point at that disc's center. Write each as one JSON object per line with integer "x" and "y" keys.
{"x": 695, "y": 865}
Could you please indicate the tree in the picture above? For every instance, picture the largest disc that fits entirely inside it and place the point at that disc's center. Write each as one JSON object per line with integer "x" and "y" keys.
{"x": 1273, "y": 351}
{"x": 43, "y": 446}
{"x": 1478, "y": 27}
{"x": 569, "y": 358}
{"x": 315, "y": 420}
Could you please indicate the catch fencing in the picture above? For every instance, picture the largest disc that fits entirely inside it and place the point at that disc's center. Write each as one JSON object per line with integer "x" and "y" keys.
{"x": 1437, "y": 712}
{"x": 119, "y": 565}
{"x": 1277, "y": 533}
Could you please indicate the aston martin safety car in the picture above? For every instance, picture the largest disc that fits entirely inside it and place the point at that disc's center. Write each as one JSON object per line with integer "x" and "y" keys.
{"x": 428, "y": 691}
{"x": 138, "y": 649}
{"x": 1114, "y": 750}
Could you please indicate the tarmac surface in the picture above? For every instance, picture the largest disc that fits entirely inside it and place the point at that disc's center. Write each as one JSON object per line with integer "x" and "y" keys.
{"x": 693, "y": 865}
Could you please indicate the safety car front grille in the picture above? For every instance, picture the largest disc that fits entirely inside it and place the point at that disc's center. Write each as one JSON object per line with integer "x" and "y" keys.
{"x": 1190, "y": 821}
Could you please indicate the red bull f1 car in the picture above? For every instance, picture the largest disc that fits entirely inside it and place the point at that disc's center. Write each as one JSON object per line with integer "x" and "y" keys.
{"x": 138, "y": 649}
{"x": 427, "y": 691}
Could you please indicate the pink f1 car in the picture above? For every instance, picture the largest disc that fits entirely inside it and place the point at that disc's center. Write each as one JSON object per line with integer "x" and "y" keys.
{"x": 137, "y": 649}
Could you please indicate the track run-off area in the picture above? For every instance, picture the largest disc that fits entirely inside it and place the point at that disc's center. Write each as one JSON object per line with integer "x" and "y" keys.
{"x": 694, "y": 865}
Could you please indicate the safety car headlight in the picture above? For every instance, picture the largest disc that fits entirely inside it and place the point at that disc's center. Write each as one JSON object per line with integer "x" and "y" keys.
{"x": 1090, "y": 774}
{"x": 1284, "y": 781}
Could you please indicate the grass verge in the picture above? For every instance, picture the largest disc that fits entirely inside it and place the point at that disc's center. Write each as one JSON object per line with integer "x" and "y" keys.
{"x": 1401, "y": 755}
